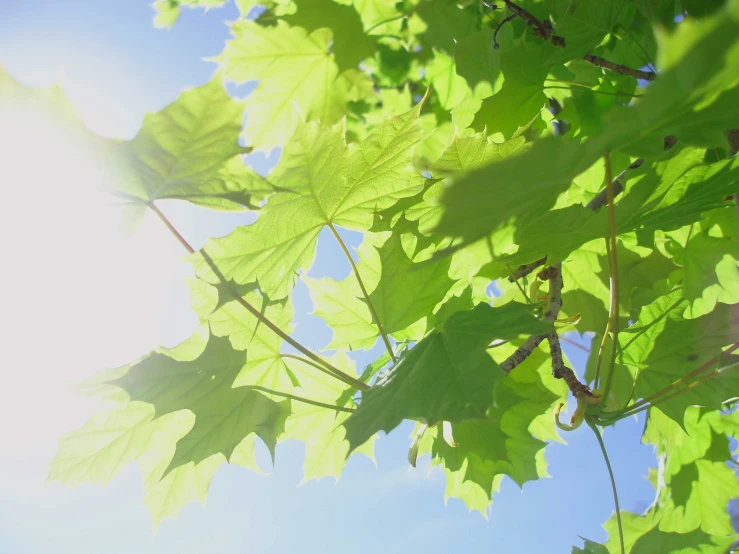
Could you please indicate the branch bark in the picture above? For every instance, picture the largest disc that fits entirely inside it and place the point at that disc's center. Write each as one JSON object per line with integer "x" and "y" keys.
{"x": 554, "y": 275}
{"x": 544, "y": 29}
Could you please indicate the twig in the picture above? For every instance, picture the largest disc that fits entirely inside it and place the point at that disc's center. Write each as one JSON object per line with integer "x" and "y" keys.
{"x": 613, "y": 484}
{"x": 554, "y": 275}
{"x": 524, "y": 270}
{"x": 495, "y": 34}
{"x": 597, "y": 61}
{"x": 561, "y": 371}
{"x": 544, "y": 30}
{"x": 575, "y": 344}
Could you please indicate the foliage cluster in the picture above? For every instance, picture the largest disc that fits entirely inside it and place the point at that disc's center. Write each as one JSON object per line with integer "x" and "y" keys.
{"x": 580, "y": 153}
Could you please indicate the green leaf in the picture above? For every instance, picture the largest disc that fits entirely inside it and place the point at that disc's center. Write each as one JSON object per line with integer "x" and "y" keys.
{"x": 509, "y": 441}
{"x": 450, "y": 87}
{"x": 190, "y": 151}
{"x": 695, "y": 541}
{"x": 696, "y": 483}
{"x": 350, "y": 44}
{"x": 585, "y": 24}
{"x": 463, "y": 153}
{"x": 692, "y": 99}
{"x": 379, "y": 16}
{"x": 667, "y": 195}
{"x": 113, "y": 438}
{"x": 590, "y": 547}
{"x": 665, "y": 347}
{"x": 407, "y": 291}
{"x": 448, "y": 376}
{"x": 445, "y": 22}
{"x": 402, "y": 293}
{"x": 297, "y": 75}
{"x": 322, "y": 182}
{"x": 264, "y": 365}
{"x": 224, "y": 416}
{"x": 168, "y": 11}
{"x": 319, "y": 428}
{"x": 473, "y": 62}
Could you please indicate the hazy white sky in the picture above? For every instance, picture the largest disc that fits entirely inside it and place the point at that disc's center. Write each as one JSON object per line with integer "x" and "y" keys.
{"x": 76, "y": 298}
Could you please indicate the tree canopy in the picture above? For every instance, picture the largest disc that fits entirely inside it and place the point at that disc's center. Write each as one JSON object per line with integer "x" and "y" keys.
{"x": 580, "y": 154}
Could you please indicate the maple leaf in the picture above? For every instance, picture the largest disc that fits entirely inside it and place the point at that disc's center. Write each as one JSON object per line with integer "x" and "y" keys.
{"x": 224, "y": 416}
{"x": 295, "y": 70}
{"x": 189, "y": 151}
{"x": 322, "y": 182}
{"x": 448, "y": 376}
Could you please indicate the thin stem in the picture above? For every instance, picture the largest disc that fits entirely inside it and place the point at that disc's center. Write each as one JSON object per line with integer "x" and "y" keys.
{"x": 520, "y": 288}
{"x": 301, "y": 399}
{"x": 389, "y": 20}
{"x": 652, "y": 323}
{"x": 604, "y": 340}
{"x": 325, "y": 366}
{"x": 613, "y": 483}
{"x": 613, "y": 263}
{"x": 653, "y": 399}
{"x": 575, "y": 344}
{"x": 497, "y": 29}
{"x": 663, "y": 399}
{"x": 376, "y": 318}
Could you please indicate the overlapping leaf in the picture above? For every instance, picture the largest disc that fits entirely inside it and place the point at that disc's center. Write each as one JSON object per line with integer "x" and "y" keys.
{"x": 297, "y": 75}
{"x": 190, "y": 151}
{"x": 665, "y": 348}
{"x": 527, "y": 185}
{"x": 322, "y": 182}
{"x": 508, "y": 441}
{"x": 448, "y": 376}
{"x": 224, "y": 415}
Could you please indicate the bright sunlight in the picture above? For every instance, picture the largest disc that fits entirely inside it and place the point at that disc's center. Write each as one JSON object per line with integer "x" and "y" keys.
{"x": 79, "y": 302}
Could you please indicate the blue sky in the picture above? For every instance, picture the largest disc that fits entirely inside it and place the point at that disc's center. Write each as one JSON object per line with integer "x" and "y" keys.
{"x": 78, "y": 304}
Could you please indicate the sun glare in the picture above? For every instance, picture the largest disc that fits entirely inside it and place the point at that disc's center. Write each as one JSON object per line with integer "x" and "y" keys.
{"x": 76, "y": 295}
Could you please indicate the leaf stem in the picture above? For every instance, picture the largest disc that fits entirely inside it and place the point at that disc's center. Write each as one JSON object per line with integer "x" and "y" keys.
{"x": 380, "y": 23}
{"x": 324, "y": 365}
{"x": 575, "y": 344}
{"x": 613, "y": 263}
{"x": 655, "y": 399}
{"x": 376, "y": 318}
{"x": 613, "y": 483}
{"x": 666, "y": 398}
{"x": 301, "y": 399}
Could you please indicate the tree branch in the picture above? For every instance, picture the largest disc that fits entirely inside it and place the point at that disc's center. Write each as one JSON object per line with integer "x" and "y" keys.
{"x": 524, "y": 270}
{"x": 597, "y": 61}
{"x": 544, "y": 29}
{"x": 554, "y": 275}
